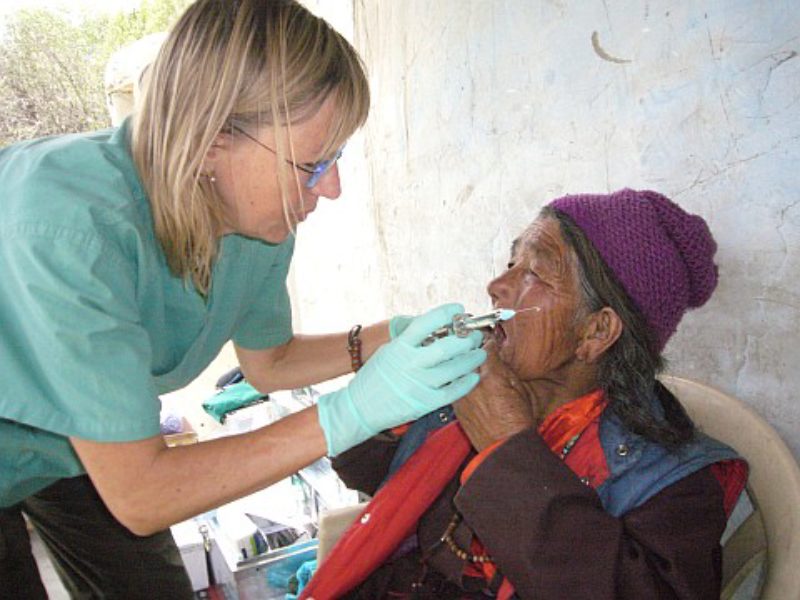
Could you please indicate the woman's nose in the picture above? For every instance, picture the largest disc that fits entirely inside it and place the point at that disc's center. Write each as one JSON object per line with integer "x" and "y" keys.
{"x": 499, "y": 289}
{"x": 329, "y": 185}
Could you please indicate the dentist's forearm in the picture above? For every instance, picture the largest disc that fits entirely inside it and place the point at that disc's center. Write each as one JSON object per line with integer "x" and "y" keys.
{"x": 149, "y": 487}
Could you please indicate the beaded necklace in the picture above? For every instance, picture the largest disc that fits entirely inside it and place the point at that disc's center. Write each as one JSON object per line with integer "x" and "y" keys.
{"x": 447, "y": 536}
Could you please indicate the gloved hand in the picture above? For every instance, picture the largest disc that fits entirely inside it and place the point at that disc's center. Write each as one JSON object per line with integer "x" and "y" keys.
{"x": 398, "y": 325}
{"x": 402, "y": 381}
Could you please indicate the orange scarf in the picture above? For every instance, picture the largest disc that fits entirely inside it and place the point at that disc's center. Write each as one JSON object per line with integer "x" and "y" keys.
{"x": 570, "y": 419}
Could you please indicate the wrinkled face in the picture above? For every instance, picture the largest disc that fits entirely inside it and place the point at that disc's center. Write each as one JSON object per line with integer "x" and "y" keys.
{"x": 542, "y": 272}
{"x": 247, "y": 178}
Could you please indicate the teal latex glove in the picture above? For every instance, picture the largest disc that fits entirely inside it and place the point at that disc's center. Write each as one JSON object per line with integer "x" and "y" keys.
{"x": 402, "y": 381}
{"x": 398, "y": 325}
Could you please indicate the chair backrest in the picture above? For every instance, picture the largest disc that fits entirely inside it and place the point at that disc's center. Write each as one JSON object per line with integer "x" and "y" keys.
{"x": 774, "y": 481}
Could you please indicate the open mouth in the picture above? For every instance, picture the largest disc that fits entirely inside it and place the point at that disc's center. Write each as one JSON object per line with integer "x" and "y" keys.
{"x": 500, "y": 336}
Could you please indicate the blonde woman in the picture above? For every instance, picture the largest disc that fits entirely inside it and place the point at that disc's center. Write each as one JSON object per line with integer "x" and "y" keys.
{"x": 130, "y": 256}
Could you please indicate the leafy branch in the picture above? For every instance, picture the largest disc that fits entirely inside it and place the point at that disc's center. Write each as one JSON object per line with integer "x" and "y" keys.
{"x": 52, "y": 64}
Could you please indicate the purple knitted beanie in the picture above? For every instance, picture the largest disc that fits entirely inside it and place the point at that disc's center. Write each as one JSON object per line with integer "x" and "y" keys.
{"x": 662, "y": 255}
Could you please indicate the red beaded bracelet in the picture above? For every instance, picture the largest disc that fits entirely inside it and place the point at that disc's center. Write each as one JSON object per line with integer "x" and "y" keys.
{"x": 354, "y": 348}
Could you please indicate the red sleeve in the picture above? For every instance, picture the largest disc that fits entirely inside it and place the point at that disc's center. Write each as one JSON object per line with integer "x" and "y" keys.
{"x": 563, "y": 544}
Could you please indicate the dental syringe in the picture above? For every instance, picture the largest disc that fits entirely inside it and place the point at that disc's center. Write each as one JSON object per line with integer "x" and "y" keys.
{"x": 464, "y": 323}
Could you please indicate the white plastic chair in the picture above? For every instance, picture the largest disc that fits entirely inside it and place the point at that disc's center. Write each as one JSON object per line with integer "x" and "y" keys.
{"x": 773, "y": 486}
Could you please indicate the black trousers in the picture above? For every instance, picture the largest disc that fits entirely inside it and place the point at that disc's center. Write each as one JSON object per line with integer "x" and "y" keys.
{"x": 94, "y": 555}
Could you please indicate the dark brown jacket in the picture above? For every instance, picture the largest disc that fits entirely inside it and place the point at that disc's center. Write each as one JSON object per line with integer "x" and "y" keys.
{"x": 548, "y": 533}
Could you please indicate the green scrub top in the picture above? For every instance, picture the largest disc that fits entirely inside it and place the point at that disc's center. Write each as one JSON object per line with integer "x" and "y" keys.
{"x": 94, "y": 326}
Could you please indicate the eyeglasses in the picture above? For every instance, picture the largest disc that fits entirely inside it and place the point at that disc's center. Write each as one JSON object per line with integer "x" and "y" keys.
{"x": 315, "y": 170}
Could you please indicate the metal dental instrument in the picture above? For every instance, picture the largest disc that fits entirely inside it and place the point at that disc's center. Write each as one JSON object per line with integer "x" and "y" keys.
{"x": 464, "y": 323}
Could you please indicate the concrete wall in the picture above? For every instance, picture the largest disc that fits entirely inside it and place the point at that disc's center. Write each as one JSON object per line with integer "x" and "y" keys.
{"x": 483, "y": 110}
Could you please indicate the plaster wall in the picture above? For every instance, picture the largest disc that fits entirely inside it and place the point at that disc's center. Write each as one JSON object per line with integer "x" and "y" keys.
{"x": 483, "y": 110}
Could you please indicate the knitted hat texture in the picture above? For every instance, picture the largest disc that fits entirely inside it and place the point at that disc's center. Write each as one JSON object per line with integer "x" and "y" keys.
{"x": 660, "y": 254}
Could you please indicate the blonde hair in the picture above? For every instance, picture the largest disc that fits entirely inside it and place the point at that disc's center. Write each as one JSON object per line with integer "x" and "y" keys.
{"x": 226, "y": 62}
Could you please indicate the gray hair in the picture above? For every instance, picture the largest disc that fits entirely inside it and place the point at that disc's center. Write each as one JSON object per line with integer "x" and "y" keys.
{"x": 627, "y": 370}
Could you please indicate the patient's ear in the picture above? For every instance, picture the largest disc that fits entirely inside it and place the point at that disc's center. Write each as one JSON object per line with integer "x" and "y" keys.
{"x": 601, "y": 329}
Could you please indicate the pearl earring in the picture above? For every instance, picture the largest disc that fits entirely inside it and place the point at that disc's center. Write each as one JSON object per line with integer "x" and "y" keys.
{"x": 211, "y": 177}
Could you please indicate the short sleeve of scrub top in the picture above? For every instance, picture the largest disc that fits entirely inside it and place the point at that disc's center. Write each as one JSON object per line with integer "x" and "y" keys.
{"x": 95, "y": 326}
{"x": 263, "y": 324}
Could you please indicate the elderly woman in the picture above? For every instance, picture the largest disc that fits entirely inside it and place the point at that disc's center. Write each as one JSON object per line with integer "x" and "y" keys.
{"x": 571, "y": 472}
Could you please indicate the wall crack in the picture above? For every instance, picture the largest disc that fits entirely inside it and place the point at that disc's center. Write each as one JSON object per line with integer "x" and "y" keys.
{"x": 598, "y": 49}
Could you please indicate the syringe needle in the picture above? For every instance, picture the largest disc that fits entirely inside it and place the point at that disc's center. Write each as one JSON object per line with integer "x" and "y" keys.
{"x": 536, "y": 308}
